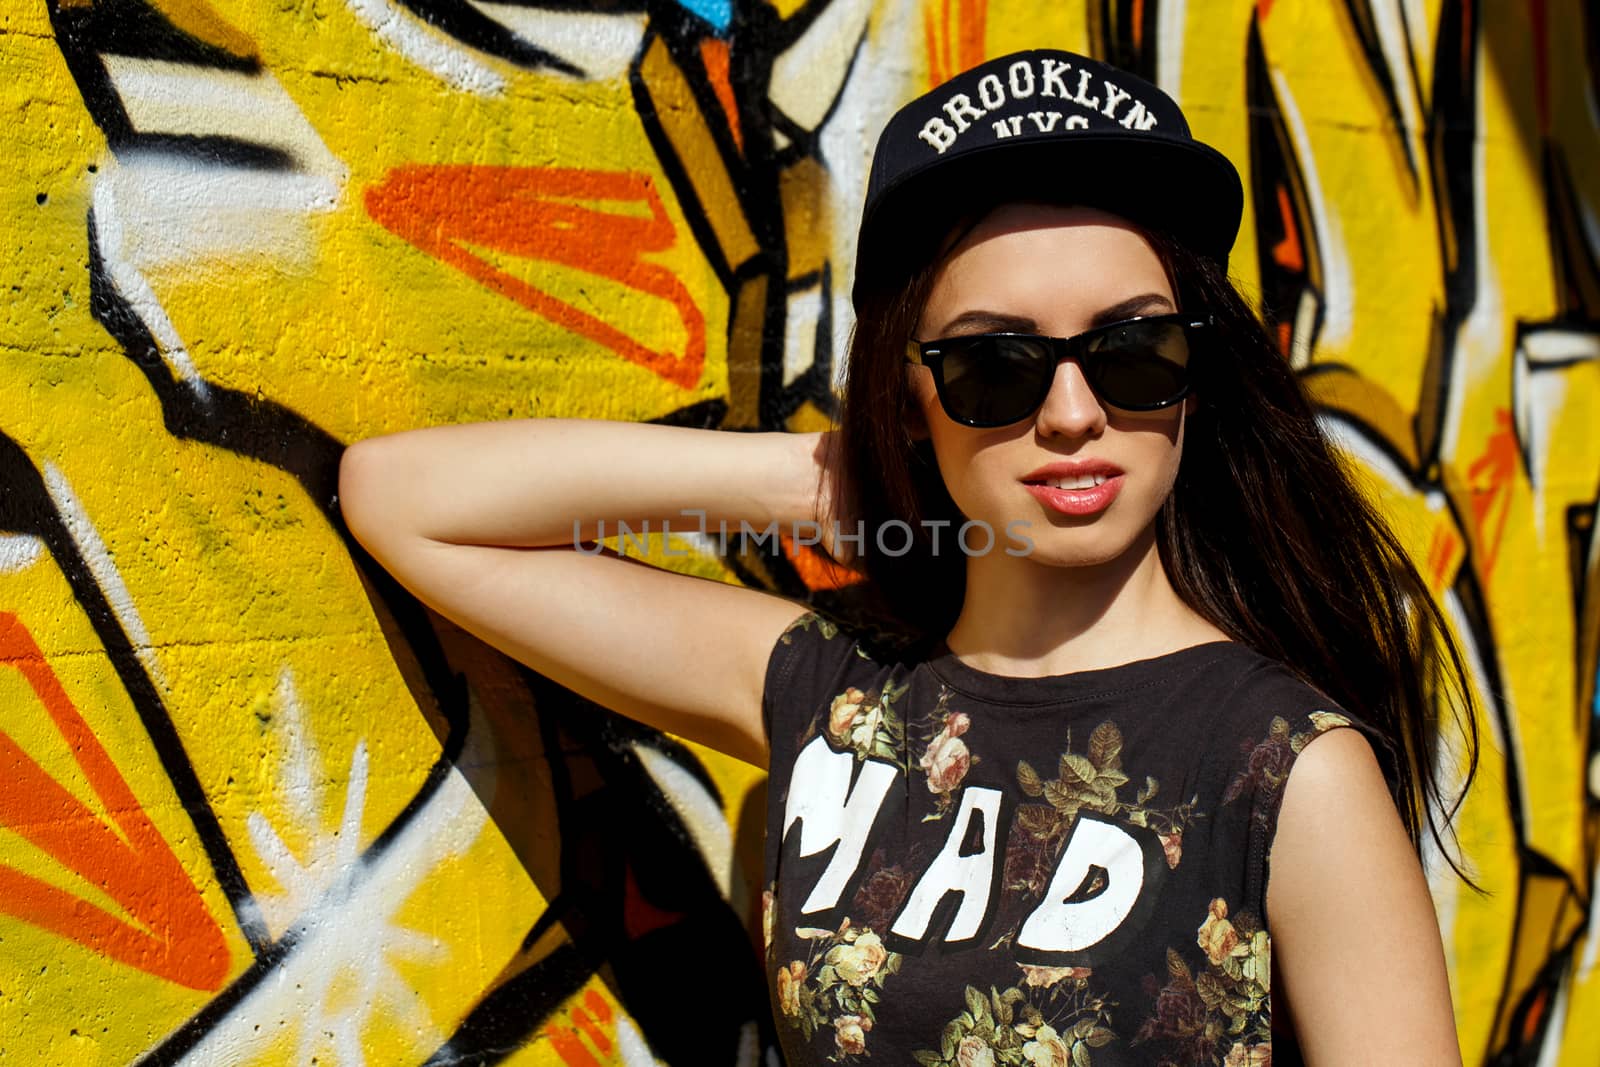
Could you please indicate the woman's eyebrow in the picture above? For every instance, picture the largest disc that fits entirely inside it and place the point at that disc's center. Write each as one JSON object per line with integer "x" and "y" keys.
{"x": 1131, "y": 307}
{"x": 980, "y": 321}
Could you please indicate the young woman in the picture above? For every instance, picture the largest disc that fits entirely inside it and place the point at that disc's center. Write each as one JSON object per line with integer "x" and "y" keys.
{"x": 1150, "y": 788}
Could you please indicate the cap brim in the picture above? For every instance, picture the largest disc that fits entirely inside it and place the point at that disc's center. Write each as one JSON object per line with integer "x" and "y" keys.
{"x": 1185, "y": 188}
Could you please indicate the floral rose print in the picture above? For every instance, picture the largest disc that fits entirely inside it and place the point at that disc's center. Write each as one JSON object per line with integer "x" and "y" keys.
{"x": 1217, "y": 936}
{"x": 1082, "y": 781}
{"x": 881, "y": 894}
{"x": 811, "y": 619}
{"x": 1181, "y": 1026}
{"x": 842, "y": 714}
{"x": 1037, "y": 832}
{"x": 1047, "y": 1049}
{"x": 1045, "y": 977}
{"x": 946, "y": 759}
{"x": 859, "y": 961}
{"x": 1252, "y": 1056}
{"x": 1092, "y": 780}
{"x": 974, "y": 1052}
{"x": 837, "y": 986}
{"x": 871, "y": 631}
{"x": 1059, "y": 1027}
{"x": 1267, "y": 762}
{"x": 864, "y": 721}
{"x": 1327, "y": 720}
{"x": 1245, "y": 957}
{"x": 791, "y": 978}
{"x": 1172, "y": 848}
{"x": 1224, "y": 1013}
{"x": 1187, "y": 981}
{"x": 850, "y": 1034}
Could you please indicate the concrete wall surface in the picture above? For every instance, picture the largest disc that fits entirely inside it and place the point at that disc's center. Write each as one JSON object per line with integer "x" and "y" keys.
{"x": 257, "y": 806}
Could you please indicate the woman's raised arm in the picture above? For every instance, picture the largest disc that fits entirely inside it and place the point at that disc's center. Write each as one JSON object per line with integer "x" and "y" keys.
{"x": 482, "y": 523}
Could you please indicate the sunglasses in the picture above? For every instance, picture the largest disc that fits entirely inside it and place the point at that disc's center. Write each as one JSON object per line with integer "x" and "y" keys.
{"x": 996, "y": 379}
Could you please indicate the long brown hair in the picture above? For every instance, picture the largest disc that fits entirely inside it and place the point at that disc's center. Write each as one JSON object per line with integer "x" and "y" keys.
{"x": 1265, "y": 533}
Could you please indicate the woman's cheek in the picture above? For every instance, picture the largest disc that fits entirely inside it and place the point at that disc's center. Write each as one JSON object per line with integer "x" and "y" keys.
{"x": 981, "y": 482}
{"x": 969, "y": 483}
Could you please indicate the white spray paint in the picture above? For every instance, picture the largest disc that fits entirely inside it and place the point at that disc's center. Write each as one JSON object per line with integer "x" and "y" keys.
{"x": 18, "y": 552}
{"x": 158, "y": 210}
{"x": 423, "y": 47}
{"x": 875, "y": 86}
{"x": 104, "y": 570}
{"x": 811, "y": 72}
{"x": 600, "y": 45}
{"x": 1171, "y": 17}
{"x": 701, "y": 814}
{"x": 1338, "y": 282}
{"x": 348, "y": 936}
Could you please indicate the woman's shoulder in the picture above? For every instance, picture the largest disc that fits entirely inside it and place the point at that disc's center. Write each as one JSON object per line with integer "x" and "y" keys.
{"x": 1262, "y": 716}
{"x": 817, "y": 636}
{"x": 1265, "y": 701}
{"x": 821, "y": 654}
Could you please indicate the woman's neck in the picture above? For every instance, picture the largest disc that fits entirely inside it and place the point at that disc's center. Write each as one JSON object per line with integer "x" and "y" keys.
{"x": 1022, "y": 618}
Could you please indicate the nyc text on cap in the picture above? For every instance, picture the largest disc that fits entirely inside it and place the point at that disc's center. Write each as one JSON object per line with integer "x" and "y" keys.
{"x": 1049, "y": 125}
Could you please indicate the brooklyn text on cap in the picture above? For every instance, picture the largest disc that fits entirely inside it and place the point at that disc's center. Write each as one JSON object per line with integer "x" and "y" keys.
{"x": 1047, "y": 125}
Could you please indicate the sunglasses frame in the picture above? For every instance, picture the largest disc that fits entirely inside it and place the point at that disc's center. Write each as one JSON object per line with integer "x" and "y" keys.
{"x": 931, "y": 354}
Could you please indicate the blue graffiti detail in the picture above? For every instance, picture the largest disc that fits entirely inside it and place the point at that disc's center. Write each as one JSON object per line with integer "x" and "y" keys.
{"x": 719, "y": 13}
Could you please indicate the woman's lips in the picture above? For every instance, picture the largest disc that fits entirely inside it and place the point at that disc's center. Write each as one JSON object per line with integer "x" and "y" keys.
{"x": 1078, "y": 501}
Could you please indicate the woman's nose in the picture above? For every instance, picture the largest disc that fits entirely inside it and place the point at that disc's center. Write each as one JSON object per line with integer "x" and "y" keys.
{"x": 1070, "y": 409}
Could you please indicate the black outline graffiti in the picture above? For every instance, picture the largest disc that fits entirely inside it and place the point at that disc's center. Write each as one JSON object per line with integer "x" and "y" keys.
{"x": 1364, "y": 23}
{"x": 1523, "y": 1013}
{"x": 1123, "y": 33}
{"x": 128, "y": 28}
{"x": 257, "y": 428}
{"x": 249, "y": 426}
{"x": 473, "y": 28}
{"x": 26, "y": 508}
{"x": 1274, "y": 170}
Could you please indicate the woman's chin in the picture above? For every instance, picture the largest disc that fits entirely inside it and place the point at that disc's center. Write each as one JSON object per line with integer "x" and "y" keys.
{"x": 1058, "y": 547}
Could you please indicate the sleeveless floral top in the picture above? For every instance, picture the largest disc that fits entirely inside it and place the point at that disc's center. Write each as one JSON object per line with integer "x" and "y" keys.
{"x": 967, "y": 870}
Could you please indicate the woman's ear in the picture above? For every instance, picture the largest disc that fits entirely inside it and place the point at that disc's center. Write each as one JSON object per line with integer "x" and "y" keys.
{"x": 1190, "y": 402}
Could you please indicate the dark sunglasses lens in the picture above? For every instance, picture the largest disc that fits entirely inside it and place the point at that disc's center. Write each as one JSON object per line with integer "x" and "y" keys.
{"x": 1139, "y": 365}
{"x": 992, "y": 381}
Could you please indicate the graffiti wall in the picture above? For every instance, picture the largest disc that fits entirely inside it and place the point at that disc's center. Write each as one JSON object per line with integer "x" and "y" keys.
{"x": 258, "y": 806}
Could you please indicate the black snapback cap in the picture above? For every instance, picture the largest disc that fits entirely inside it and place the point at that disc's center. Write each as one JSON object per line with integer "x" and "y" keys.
{"x": 1046, "y": 125}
